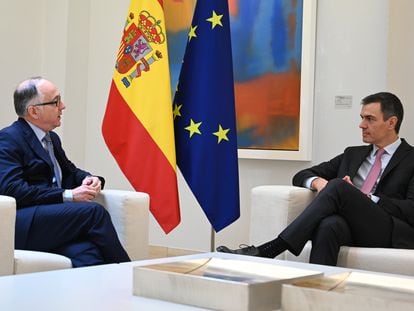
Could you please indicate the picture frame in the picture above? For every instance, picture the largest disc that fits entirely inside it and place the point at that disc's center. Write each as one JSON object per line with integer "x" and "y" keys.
{"x": 303, "y": 152}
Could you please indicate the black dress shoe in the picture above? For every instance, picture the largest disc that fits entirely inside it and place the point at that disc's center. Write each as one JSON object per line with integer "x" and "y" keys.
{"x": 243, "y": 250}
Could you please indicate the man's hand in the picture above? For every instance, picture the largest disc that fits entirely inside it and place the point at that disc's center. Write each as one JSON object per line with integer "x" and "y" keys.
{"x": 93, "y": 182}
{"x": 88, "y": 190}
{"x": 84, "y": 193}
{"x": 347, "y": 179}
{"x": 319, "y": 183}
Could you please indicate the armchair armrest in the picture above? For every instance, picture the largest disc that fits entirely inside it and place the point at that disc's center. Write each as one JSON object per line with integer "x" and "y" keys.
{"x": 7, "y": 222}
{"x": 273, "y": 208}
{"x": 129, "y": 212}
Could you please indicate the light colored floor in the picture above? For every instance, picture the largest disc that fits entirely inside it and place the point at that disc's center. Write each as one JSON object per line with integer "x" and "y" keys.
{"x": 162, "y": 251}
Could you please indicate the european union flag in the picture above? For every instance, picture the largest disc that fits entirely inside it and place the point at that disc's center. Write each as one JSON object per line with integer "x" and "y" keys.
{"x": 204, "y": 115}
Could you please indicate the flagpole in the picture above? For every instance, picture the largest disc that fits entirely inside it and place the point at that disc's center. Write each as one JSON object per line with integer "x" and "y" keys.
{"x": 212, "y": 240}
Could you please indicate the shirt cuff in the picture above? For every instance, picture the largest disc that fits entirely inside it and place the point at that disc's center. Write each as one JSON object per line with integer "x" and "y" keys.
{"x": 374, "y": 198}
{"x": 67, "y": 196}
{"x": 308, "y": 182}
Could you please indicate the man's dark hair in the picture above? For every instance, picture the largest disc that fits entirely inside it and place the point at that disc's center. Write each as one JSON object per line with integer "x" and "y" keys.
{"x": 390, "y": 106}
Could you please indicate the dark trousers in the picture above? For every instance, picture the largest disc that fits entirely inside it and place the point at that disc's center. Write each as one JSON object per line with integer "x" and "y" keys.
{"x": 81, "y": 231}
{"x": 339, "y": 215}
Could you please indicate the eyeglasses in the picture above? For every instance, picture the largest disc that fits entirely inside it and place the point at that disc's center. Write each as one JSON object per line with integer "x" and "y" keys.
{"x": 55, "y": 102}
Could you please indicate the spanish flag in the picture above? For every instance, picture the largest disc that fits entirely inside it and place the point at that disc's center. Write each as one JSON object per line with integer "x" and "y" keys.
{"x": 138, "y": 122}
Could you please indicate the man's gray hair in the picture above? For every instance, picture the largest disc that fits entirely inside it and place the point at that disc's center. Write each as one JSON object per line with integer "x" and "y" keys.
{"x": 25, "y": 94}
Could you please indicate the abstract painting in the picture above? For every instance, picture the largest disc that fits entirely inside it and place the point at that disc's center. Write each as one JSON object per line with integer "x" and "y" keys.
{"x": 273, "y": 51}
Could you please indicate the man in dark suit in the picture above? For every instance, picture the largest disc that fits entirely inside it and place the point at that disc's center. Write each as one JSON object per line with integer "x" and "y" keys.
{"x": 55, "y": 208}
{"x": 351, "y": 207}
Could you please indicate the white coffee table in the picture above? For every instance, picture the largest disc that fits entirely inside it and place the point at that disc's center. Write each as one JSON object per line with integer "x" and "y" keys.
{"x": 107, "y": 287}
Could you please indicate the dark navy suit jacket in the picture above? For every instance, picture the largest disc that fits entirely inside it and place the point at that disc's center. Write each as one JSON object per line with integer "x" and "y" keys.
{"x": 395, "y": 187}
{"x": 26, "y": 173}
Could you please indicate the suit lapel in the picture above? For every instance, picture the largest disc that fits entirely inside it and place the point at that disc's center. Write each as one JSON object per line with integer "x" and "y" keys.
{"x": 34, "y": 143}
{"x": 357, "y": 159}
{"x": 399, "y": 154}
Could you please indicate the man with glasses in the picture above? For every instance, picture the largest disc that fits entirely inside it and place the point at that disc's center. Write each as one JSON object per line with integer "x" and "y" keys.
{"x": 55, "y": 208}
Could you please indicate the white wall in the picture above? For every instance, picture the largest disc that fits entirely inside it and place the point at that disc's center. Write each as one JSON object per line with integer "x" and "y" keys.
{"x": 20, "y": 52}
{"x": 401, "y": 60}
{"x": 74, "y": 43}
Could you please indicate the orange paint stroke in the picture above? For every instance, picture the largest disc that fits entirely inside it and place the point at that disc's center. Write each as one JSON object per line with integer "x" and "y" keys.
{"x": 266, "y": 100}
{"x": 178, "y": 14}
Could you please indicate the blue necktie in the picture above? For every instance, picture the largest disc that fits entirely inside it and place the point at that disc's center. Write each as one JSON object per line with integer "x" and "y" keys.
{"x": 49, "y": 148}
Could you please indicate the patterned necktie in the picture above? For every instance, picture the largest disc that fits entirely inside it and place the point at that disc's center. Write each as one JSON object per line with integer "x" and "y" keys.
{"x": 373, "y": 173}
{"x": 49, "y": 148}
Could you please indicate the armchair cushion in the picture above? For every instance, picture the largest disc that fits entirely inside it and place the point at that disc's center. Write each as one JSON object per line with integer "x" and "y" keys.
{"x": 129, "y": 212}
{"x": 273, "y": 208}
{"x": 31, "y": 261}
{"x": 7, "y": 221}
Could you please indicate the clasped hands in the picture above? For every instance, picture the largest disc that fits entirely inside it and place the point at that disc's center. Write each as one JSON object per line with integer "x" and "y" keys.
{"x": 88, "y": 190}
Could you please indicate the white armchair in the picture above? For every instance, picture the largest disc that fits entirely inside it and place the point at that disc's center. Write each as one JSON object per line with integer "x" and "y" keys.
{"x": 130, "y": 215}
{"x": 274, "y": 207}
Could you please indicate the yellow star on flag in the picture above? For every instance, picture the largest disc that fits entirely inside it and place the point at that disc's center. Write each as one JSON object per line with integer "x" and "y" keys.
{"x": 176, "y": 111}
{"x": 192, "y": 33}
{"x": 215, "y": 20}
{"x": 193, "y": 128}
{"x": 221, "y": 134}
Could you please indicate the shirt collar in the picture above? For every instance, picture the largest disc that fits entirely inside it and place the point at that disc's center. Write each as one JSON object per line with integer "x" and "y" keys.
{"x": 40, "y": 134}
{"x": 390, "y": 149}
